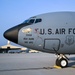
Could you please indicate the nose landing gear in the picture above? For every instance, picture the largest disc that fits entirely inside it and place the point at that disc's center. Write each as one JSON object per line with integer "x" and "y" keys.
{"x": 62, "y": 61}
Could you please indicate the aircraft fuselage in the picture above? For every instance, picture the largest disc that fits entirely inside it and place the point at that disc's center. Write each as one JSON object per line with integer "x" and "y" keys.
{"x": 51, "y": 32}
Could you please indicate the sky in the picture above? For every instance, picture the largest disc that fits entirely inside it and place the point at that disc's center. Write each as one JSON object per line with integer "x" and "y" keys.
{"x": 14, "y": 12}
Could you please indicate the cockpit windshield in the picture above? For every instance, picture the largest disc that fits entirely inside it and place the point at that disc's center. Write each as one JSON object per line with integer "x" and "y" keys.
{"x": 29, "y": 21}
{"x": 32, "y": 20}
{"x": 26, "y": 21}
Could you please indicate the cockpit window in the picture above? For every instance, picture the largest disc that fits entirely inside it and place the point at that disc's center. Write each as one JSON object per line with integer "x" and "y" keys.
{"x": 38, "y": 20}
{"x": 26, "y": 21}
{"x": 31, "y": 21}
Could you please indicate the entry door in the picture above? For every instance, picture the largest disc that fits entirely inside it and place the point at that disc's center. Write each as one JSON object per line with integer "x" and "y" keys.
{"x": 52, "y": 44}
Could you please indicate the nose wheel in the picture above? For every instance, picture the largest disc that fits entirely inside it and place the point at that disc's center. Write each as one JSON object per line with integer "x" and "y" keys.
{"x": 62, "y": 61}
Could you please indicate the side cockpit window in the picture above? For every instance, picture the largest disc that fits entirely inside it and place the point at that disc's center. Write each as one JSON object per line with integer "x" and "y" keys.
{"x": 38, "y": 20}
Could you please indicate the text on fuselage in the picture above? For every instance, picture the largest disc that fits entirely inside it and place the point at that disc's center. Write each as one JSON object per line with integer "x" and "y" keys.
{"x": 50, "y": 31}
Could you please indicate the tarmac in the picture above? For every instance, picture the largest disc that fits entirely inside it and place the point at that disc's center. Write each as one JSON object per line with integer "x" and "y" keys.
{"x": 33, "y": 64}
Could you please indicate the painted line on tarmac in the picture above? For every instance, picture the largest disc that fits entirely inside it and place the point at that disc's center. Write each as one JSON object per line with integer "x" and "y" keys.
{"x": 47, "y": 68}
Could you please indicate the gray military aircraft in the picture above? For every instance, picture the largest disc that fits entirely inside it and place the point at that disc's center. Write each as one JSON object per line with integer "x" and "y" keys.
{"x": 50, "y": 32}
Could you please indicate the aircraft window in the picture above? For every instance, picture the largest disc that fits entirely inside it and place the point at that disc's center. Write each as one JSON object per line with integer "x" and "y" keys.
{"x": 26, "y": 21}
{"x": 38, "y": 20}
{"x": 31, "y": 21}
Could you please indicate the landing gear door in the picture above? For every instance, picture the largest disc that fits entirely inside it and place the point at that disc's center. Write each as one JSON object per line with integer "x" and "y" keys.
{"x": 52, "y": 44}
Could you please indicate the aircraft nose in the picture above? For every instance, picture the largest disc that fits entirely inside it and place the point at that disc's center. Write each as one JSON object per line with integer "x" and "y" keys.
{"x": 12, "y": 34}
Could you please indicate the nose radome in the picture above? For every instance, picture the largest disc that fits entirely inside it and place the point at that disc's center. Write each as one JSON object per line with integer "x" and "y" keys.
{"x": 12, "y": 34}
